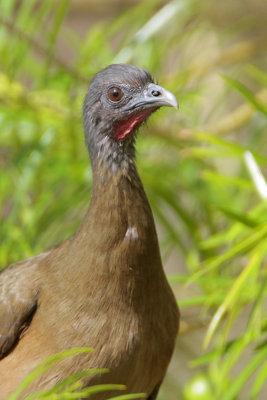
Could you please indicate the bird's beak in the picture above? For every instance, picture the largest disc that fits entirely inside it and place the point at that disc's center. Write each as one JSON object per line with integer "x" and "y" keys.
{"x": 157, "y": 96}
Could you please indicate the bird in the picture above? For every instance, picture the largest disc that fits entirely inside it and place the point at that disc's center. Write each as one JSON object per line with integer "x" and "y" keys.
{"x": 104, "y": 287}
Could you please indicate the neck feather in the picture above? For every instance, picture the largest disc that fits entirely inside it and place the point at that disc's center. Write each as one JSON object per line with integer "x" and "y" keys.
{"x": 119, "y": 223}
{"x": 114, "y": 154}
{"x": 105, "y": 147}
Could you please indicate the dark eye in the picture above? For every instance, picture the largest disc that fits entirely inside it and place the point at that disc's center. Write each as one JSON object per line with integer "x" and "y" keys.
{"x": 115, "y": 94}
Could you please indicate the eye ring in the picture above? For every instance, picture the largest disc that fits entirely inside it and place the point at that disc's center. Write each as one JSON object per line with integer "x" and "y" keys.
{"x": 115, "y": 94}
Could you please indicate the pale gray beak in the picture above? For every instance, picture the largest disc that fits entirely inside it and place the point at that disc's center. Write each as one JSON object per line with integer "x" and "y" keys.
{"x": 157, "y": 96}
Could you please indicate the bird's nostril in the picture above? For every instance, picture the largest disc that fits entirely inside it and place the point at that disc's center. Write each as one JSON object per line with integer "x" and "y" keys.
{"x": 156, "y": 93}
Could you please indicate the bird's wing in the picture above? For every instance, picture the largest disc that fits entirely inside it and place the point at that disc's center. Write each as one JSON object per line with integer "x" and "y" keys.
{"x": 19, "y": 286}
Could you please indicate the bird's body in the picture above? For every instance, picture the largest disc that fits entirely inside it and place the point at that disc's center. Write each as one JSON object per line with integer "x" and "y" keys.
{"x": 104, "y": 288}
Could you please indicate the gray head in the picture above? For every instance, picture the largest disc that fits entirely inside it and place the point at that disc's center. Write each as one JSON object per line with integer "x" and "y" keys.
{"x": 119, "y": 99}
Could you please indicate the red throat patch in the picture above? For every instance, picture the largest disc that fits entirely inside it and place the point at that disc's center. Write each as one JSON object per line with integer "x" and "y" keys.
{"x": 126, "y": 126}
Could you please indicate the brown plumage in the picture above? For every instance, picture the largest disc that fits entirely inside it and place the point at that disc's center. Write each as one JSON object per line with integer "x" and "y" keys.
{"x": 104, "y": 287}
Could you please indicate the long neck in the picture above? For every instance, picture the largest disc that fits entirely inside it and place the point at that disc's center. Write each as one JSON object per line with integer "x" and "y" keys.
{"x": 119, "y": 223}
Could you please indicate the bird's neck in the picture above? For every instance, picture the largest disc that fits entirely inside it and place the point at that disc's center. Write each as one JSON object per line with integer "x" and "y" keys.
{"x": 105, "y": 148}
{"x": 119, "y": 224}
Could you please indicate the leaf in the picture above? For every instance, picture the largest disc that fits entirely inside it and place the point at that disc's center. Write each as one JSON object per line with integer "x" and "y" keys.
{"x": 238, "y": 216}
{"x": 88, "y": 391}
{"x": 246, "y": 93}
{"x": 257, "y": 234}
{"x": 233, "y": 149}
{"x": 232, "y": 295}
{"x": 260, "y": 380}
{"x": 258, "y": 74}
{"x": 216, "y": 178}
{"x": 67, "y": 382}
{"x": 44, "y": 366}
{"x": 130, "y": 396}
{"x": 242, "y": 378}
{"x": 256, "y": 175}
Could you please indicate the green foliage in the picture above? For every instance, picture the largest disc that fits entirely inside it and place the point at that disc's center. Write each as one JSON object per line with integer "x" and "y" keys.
{"x": 203, "y": 168}
{"x": 71, "y": 387}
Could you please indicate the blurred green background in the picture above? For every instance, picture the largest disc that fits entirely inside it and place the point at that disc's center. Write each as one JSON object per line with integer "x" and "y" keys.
{"x": 203, "y": 167}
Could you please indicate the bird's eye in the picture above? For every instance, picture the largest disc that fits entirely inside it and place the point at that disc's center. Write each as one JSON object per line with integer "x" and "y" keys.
{"x": 115, "y": 94}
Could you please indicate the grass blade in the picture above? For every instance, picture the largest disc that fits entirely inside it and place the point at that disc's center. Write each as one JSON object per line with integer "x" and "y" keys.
{"x": 232, "y": 295}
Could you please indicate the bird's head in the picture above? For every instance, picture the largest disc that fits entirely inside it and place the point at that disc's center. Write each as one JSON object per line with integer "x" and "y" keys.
{"x": 119, "y": 99}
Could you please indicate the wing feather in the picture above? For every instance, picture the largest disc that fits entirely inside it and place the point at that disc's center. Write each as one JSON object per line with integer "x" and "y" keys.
{"x": 19, "y": 288}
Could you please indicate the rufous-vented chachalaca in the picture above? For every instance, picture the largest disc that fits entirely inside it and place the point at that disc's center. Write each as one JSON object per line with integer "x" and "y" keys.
{"x": 104, "y": 287}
